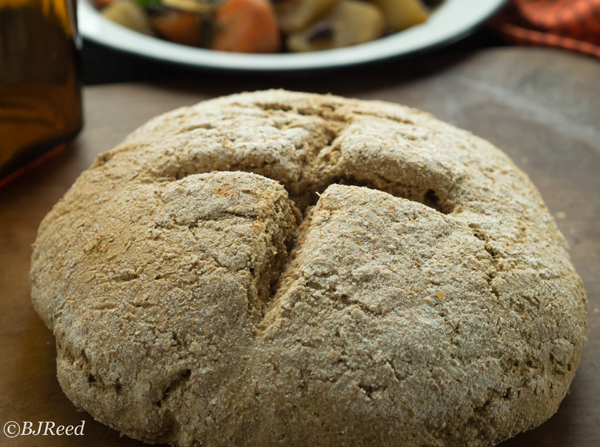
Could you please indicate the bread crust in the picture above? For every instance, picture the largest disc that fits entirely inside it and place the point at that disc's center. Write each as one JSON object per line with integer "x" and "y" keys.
{"x": 279, "y": 268}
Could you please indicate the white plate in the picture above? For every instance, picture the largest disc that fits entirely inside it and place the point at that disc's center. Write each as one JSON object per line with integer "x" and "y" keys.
{"x": 451, "y": 21}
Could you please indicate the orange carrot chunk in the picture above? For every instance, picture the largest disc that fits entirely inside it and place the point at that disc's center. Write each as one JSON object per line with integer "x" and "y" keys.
{"x": 179, "y": 26}
{"x": 246, "y": 26}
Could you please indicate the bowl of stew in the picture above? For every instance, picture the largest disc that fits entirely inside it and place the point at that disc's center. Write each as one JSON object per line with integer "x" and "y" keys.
{"x": 278, "y": 35}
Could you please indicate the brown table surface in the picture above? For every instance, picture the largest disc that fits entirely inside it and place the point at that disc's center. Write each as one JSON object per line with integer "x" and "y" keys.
{"x": 540, "y": 106}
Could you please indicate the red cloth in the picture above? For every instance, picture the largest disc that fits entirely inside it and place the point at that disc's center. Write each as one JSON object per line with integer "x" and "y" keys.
{"x": 569, "y": 24}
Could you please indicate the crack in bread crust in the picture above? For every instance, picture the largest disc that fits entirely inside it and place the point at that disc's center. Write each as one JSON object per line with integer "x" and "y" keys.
{"x": 280, "y": 267}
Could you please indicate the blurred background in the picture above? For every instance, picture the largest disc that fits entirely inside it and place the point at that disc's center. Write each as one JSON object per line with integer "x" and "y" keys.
{"x": 573, "y": 25}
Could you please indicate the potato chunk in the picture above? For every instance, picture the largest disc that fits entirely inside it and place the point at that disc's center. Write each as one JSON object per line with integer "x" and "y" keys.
{"x": 295, "y": 15}
{"x": 401, "y": 14}
{"x": 349, "y": 23}
{"x": 130, "y": 15}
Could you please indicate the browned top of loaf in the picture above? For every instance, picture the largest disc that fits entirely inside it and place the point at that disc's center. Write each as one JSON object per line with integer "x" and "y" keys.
{"x": 424, "y": 296}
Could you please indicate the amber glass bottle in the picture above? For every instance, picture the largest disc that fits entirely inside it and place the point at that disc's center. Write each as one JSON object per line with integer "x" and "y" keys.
{"x": 40, "y": 91}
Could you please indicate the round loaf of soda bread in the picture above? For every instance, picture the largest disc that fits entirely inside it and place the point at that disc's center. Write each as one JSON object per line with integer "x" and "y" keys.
{"x": 290, "y": 269}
